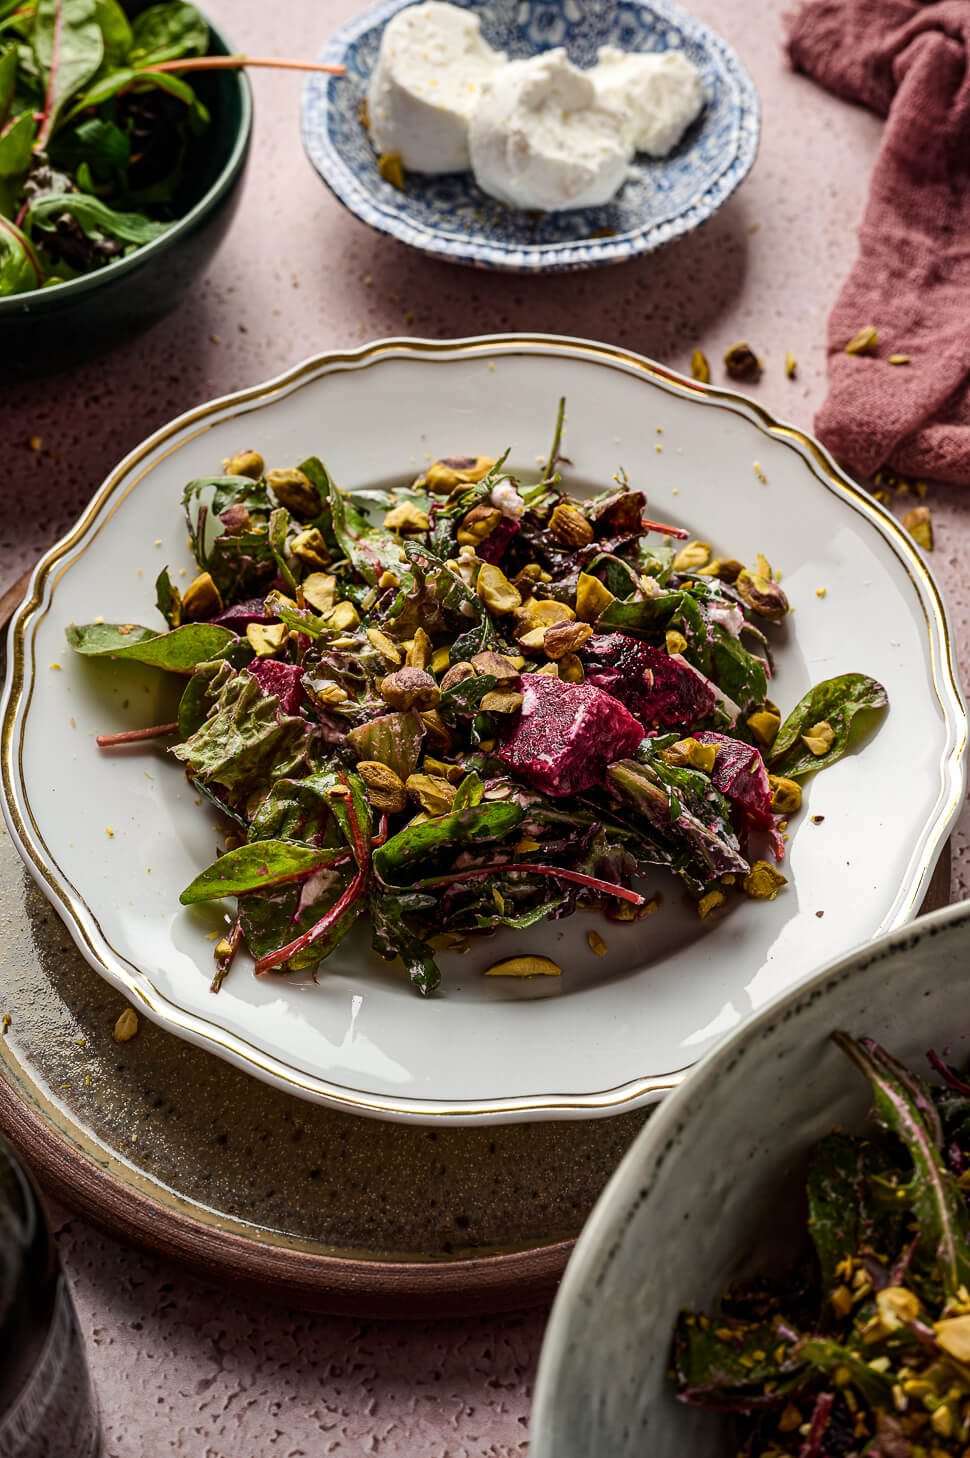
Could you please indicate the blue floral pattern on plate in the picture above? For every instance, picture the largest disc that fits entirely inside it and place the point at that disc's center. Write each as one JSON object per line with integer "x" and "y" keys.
{"x": 450, "y": 217}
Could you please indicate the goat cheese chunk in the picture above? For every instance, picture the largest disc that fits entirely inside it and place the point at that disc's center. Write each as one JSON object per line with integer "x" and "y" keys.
{"x": 541, "y": 140}
{"x": 658, "y": 94}
{"x": 426, "y": 84}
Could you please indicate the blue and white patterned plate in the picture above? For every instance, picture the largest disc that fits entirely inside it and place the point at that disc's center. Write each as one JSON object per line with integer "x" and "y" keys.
{"x": 450, "y": 217}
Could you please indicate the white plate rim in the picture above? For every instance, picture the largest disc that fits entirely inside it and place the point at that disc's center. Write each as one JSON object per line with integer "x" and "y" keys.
{"x": 81, "y": 921}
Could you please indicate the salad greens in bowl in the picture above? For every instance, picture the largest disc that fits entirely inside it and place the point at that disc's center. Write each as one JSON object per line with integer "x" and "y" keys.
{"x": 118, "y": 174}
{"x": 395, "y": 745}
{"x": 780, "y": 1268}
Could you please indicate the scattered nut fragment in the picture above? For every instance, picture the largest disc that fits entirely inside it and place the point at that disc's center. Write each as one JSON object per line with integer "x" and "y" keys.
{"x": 320, "y": 591}
{"x": 551, "y": 670}
{"x": 819, "y": 738}
{"x": 480, "y": 523}
{"x": 453, "y": 773}
{"x": 451, "y": 471}
{"x": 327, "y": 693}
{"x": 692, "y": 555}
{"x": 295, "y": 491}
{"x": 265, "y": 639}
{"x": 245, "y": 463}
{"x": 525, "y": 845}
{"x": 866, "y": 340}
{"x": 406, "y": 517}
{"x": 202, "y": 599}
{"x": 456, "y": 674}
{"x": 821, "y": 592}
{"x": 791, "y": 364}
{"x": 562, "y": 638}
{"x": 596, "y": 943}
{"x": 501, "y": 701}
{"x": 742, "y": 363}
{"x": 592, "y": 598}
{"x": 699, "y": 368}
{"x": 502, "y": 669}
{"x": 542, "y": 612}
{"x": 764, "y": 597}
{"x": 420, "y": 651}
{"x": 343, "y": 616}
{"x": 310, "y": 547}
{"x": 676, "y": 642}
{"x": 570, "y": 668}
{"x": 709, "y": 903}
{"x": 410, "y": 688}
{"x": 384, "y": 645}
{"x": 524, "y": 967}
{"x": 763, "y": 567}
{"x": 764, "y": 725}
{"x": 496, "y": 591}
{"x": 919, "y": 524}
{"x": 126, "y": 1027}
{"x": 439, "y": 736}
{"x": 953, "y": 1335}
{"x": 898, "y": 359}
{"x": 786, "y": 795}
{"x": 690, "y": 752}
{"x": 725, "y": 569}
{"x": 440, "y": 659}
{"x": 391, "y": 168}
{"x": 763, "y": 882}
{"x": 432, "y": 792}
{"x": 385, "y": 789}
{"x": 569, "y": 526}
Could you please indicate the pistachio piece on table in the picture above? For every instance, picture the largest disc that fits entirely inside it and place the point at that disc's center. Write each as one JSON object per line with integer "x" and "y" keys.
{"x": 763, "y": 882}
{"x": 919, "y": 524}
{"x": 699, "y": 368}
{"x": 126, "y": 1026}
{"x": 524, "y": 967}
{"x": 410, "y": 688}
{"x": 742, "y": 363}
{"x": 863, "y": 342}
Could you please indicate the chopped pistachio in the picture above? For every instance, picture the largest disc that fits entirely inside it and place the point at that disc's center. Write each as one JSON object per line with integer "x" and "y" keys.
{"x": 126, "y": 1027}
{"x": 245, "y": 463}
{"x": 310, "y": 547}
{"x": 320, "y": 591}
{"x": 391, "y": 168}
{"x": 569, "y": 526}
{"x": 592, "y": 598}
{"x": 763, "y": 882}
{"x": 791, "y": 364}
{"x": 343, "y": 616}
{"x": 524, "y": 967}
{"x": 710, "y": 902}
{"x": 571, "y": 669}
{"x": 445, "y": 475}
{"x": 265, "y": 639}
{"x": 863, "y": 342}
{"x": 562, "y": 638}
{"x": 501, "y": 702}
{"x": 819, "y": 738}
{"x": 898, "y": 359}
{"x": 202, "y": 599}
{"x": 406, "y": 517}
{"x": 919, "y": 524}
{"x": 496, "y": 591}
{"x": 432, "y": 792}
{"x": 385, "y": 789}
{"x": 596, "y": 943}
{"x": 440, "y": 659}
{"x": 420, "y": 652}
{"x": 742, "y": 363}
{"x": 699, "y": 368}
{"x": 764, "y": 725}
{"x": 692, "y": 555}
{"x": 384, "y": 645}
{"x": 786, "y": 795}
{"x": 295, "y": 491}
{"x": 676, "y": 642}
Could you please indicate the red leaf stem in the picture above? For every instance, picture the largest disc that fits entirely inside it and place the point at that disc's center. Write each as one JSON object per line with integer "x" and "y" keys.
{"x": 609, "y": 888}
{"x": 134, "y": 736}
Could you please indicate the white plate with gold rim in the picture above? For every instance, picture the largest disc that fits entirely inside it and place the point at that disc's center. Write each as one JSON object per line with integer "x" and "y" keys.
{"x": 612, "y": 1032}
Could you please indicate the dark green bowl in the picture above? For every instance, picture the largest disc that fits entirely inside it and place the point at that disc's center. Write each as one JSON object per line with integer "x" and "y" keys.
{"x": 47, "y": 329}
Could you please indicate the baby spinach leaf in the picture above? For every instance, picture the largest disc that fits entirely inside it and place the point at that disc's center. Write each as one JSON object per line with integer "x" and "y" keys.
{"x": 8, "y": 81}
{"x": 372, "y": 550}
{"x": 835, "y": 701}
{"x": 391, "y": 739}
{"x": 168, "y": 599}
{"x": 130, "y": 79}
{"x": 93, "y": 216}
{"x": 20, "y": 268}
{"x": 16, "y": 146}
{"x": 178, "y": 651}
{"x": 844, "y": 1215}
{"x": 399, "y": 859}
{"x": 94, "y": 145}
{"x": 115, "y": 30}
{"x": 469, "y": 793}
{"x": 462, "y": 700}
{"x": 68, "y": 48}
{"x": 742, "y": 675}
{"x": 393, "y": 937}
{"x": 299, "y": 810}
{"x": 262, "y": 864}
{"x": 166, "y": 32}
{"x": 723, "y": 1364}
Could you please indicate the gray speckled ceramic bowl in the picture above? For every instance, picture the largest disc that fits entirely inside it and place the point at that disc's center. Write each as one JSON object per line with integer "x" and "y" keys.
{"x": 713, "y": 1181}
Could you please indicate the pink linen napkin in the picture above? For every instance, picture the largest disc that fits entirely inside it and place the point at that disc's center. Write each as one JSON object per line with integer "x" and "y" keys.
{"x": 910, "y": 62}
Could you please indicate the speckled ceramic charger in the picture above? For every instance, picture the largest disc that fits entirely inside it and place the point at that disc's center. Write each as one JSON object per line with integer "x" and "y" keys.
{"x": 179, "y": 1151}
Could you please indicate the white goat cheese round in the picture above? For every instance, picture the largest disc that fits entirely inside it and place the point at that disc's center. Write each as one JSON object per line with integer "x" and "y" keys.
{"x": 540, "y": 139}
{"x": 425, "y": 86}
{"x": 657, "y": 94}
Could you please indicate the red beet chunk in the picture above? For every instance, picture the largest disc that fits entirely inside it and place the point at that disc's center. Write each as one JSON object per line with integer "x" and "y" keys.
{"x": 492, "y": 549}
{"x": 282, "y": 679}
{"x": 241, "y": 614}
{"x": 566, "y": 735}
{"x": 662, "y": 691}
{"x": 739, "y": 773}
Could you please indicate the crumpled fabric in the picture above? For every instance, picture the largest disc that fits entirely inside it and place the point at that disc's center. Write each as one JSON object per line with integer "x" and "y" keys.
{"x": 909, "y": 62}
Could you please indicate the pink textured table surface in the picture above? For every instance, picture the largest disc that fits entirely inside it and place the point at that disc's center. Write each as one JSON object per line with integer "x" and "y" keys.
{"x": 180, "y": 1367}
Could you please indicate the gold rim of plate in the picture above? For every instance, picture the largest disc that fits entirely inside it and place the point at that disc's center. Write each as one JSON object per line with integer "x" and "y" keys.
{"x": 81, "y": 918}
